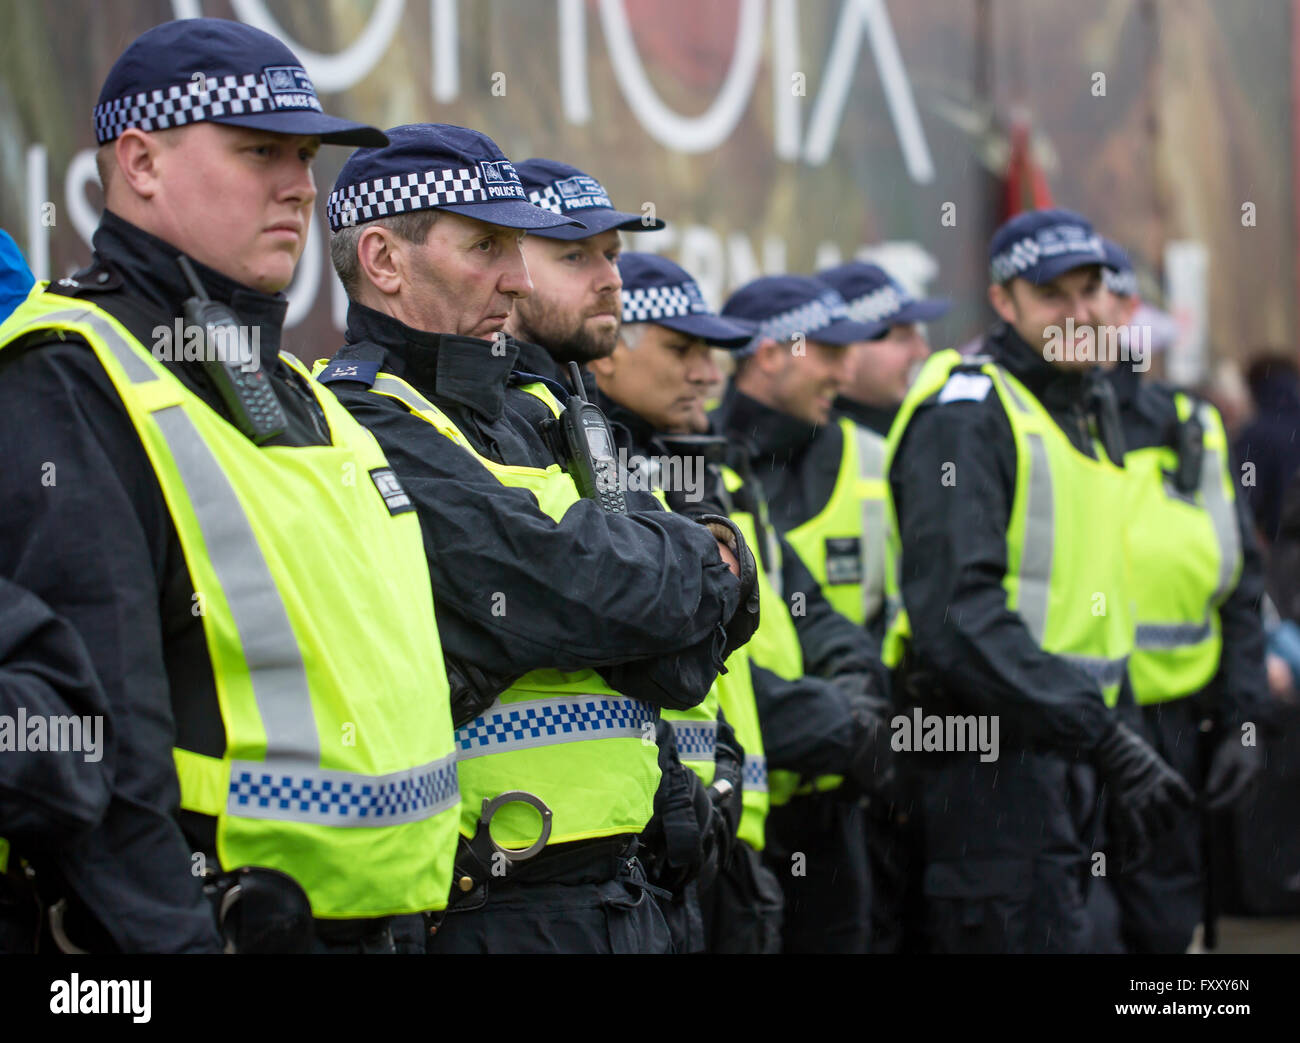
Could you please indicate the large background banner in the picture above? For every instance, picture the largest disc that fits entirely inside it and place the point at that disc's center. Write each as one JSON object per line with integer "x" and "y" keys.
{"x": 772, "y": 135}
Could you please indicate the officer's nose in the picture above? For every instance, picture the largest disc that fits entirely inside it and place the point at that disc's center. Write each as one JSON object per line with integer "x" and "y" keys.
{"x": 515, "y": 280}
{"x": 300, "y": 183}
{"x": 703, "y": 369}
{"x": 610, "y": 279}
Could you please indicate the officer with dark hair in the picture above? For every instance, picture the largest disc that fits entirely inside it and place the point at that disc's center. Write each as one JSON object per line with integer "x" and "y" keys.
{"x": 821, "y": 689}
{"x": 843, "y": 504}
{"x": 1198, "y": 666}
{"x": 278, "y": 728}
{"x": 1011, "y": 606}
{"x": 574, "y": 620}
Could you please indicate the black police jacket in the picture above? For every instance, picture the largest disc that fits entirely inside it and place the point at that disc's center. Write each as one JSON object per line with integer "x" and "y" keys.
{"x": 809, "y": 725}
{"x": 954, "y": 555}
{"x": 48, "y": 794}
{"x": 644, "y": 596}
{"x": 1240, "y": 687}
{"x": 96, "y": 543}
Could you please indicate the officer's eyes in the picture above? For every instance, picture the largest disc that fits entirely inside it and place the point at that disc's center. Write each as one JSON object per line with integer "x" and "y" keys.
{"x": 484, "y": 245}
{"x": 573, "y": 257}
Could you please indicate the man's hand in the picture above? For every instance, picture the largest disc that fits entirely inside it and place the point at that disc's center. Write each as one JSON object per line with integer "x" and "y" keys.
{"x": 1147, "y": 795}
{"x": 729, "y": 559}
{"x": 1234, "y": 767}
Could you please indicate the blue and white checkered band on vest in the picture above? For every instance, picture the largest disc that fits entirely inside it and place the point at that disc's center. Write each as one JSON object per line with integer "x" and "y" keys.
{"x": 1124, "y": 284}
{"x": 807, "y": 319}
{"x": 276, "y": 88}
{"x": 571, "y": 193}
{"x": 488, "y": 182}
{"x": 1046, "y": 243}
{"x": 652, "y": 303}
{"x": 878, "y": 305}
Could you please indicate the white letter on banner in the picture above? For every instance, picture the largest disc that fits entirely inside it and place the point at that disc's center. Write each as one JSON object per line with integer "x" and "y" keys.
{"x": 332, "y": 72}
{"x": 870, "y": 15}
{"x": 685, "y": 133}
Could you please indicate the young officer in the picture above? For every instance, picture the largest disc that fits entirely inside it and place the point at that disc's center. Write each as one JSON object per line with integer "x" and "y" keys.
{"x": 277, "y": 701}
{"x": 572, "y": 316}
{"x": 576, "y": 619}
{"x": 1199, "y": 654}
{"x": 785, "y": 382}
{"x": 850, "y": 511}
{"x": 1008, "y": 502}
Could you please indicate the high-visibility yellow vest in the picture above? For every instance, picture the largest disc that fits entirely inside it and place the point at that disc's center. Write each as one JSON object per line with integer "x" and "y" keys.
{"x": 338, "y": 767}
{"x": 1067, "y": 569}
{"x": 843, "y": 544}
{"x": 569, "y": 738}
{"x": 775, "y": 645}
{"x": 1186, "y": 555}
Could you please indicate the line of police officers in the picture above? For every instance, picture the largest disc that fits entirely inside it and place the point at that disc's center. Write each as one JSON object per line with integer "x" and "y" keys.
{"x": 389, "y": 665}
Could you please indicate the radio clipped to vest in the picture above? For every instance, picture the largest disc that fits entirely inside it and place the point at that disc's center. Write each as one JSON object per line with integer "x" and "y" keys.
{"x": 247, "y": 392}
{"x": 585, "y": 442}
{"x": 1191, "y": 452}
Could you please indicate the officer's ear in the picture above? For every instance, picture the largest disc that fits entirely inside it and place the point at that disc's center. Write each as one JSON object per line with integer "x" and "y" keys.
{"x": 771, "y": 357}
{"x": 1003, "y": 302}
{"x": 378, "y": 254}
{"x": 136, "y": 154}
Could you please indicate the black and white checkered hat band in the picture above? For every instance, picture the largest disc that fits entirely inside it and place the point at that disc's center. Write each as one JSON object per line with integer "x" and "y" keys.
{"x": 652, "y": 303}
{"x": 806, "y": 319}
{"x": 188, "y": 102}
{"x": 880, "y": 303}
{"x": 1047, "y": 243}
{"x": 400, "y": 193}
{"x": 547, "y": 199}
{"x": 1124, "y": 284}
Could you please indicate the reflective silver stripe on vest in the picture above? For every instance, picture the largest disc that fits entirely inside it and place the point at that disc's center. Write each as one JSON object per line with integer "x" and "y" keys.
{"x": 1105, "y": 672}
{"x": 1035, "y": 577}
{"x": 754, "y": 772}
{"x": 1165, "y": 636}
{"x": 279, "y": 678}
{"x": 547, "y": 722}
{"x": 1222, "y": 514}
{"x": 871, "y": 467}
{"x": 400, "y": 389}
{"x": 137, "y": 370}
{"x": 696, "y": 740}
{"x": 289, "y": 792}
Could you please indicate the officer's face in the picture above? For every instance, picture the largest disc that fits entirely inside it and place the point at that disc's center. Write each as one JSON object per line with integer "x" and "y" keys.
{"x": 464, "y": 279}
{"x": 663, "y": 379}
{"x": 1039, "y": 313}
{"x": 881, "y": 370}
{"x": 235, "y": 199}
{"x": 576, "y": 304}
{"x": 809, "y": 378}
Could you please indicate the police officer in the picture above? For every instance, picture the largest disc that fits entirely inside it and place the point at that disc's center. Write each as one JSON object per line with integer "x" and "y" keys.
{"x": 1009, "y": 504}
{"x": 576, "y": 281}
{"x": 785, "y": 382}
{"x": 572, "y": 619}
{"x": 881, "y": 370}
{"x": 48, "y": 795}
{"x": 1198, "y": 666}
{"x": 852, "y": 508}
{"x": 650, "y": 386}
{"x": 270, "y": 709}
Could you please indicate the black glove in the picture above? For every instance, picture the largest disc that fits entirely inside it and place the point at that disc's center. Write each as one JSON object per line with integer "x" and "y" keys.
{"x": 472, "y": 690}
{"x": 874, "y": 768}
{"x": 1146, "y": 794}
{"x": 728, "y": 767}
{"x": 675, "y": 836}
{"x": 744, "y": 621}
{"x": 1234, "y": 769}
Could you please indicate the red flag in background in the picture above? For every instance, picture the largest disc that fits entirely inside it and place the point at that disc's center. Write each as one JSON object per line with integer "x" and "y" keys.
{"x": 1024, "y": 184}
